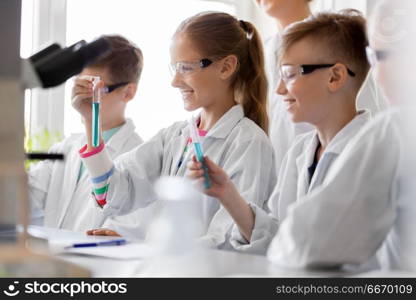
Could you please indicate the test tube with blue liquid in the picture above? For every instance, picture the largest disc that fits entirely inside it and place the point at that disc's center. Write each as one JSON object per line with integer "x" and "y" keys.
{"x": 96, "y": 97}
{"x": 196, "y": 141}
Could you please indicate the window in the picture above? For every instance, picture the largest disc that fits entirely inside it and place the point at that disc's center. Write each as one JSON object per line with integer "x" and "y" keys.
{"x": 26, "y": 42}
{"x": 150, "y": 25}
{"x": 42, "y": 25}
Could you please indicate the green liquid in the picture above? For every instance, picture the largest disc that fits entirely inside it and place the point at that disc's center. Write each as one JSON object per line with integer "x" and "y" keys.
{"x": 95, "y": 124}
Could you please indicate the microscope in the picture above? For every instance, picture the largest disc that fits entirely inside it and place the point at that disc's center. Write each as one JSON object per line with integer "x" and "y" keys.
{"x": 48, "y": 68}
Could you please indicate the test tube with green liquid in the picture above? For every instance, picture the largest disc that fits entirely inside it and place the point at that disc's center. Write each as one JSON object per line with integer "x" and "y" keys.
{"x": 199, "y": 152}
{"x": 96, "y": 97}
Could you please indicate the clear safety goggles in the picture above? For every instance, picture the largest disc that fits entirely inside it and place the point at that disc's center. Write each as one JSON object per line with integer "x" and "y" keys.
{"x": 186, "y": 68}
{"x": 288, "y": 73}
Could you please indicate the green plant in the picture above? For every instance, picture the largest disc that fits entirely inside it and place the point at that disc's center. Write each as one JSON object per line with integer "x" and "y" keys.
{"x": 40, "y": 141}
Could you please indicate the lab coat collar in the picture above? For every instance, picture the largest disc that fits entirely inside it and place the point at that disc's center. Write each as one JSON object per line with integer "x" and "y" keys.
{"x": 227, "y": 122}
{"x": 304, "y": 161}
{"x": 309, "y": 154}
{"x": 337, "y": 144}
{"x": 334, "y": 148}
{"x": 339, "y": 141}
{"x": 117, "y": 141}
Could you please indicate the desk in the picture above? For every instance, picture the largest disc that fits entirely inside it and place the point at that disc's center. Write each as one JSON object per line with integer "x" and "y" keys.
{"x": 199, "y": 263}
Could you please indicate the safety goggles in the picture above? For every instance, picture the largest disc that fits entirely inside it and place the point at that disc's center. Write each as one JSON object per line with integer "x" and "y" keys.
{"x": 109, "y": 88}
{"x": 186, "y": 68}
{"x": 288, "y": 73}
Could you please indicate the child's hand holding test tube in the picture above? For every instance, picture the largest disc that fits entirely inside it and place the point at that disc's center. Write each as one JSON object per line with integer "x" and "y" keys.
{"x": 221, "y": 186}
{"x": 93, "y": 102}
{"x": 196, "y": 142}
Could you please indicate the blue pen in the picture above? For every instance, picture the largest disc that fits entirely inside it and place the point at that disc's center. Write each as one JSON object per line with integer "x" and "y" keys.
{"x": 198, "y": 151}
{"x": 117, "y": 242}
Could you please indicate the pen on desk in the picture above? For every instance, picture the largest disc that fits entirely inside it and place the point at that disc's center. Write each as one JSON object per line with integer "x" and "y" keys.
{"x": 98, "y": 244}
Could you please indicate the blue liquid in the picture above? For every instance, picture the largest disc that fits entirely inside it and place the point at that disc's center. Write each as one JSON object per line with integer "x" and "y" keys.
{"x": 95, "y": 124}
{"x": 200, "y": 158}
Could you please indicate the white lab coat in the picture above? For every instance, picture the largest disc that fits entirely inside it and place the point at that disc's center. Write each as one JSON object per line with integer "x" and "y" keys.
{"x": 53, "y": 187}
{"x": 235, "y": 143}
{"x": 282, "y": 130}
{"x": 346, "y": 219}
{"x": 399, "y": 249}
{"x": 294, "y": 183}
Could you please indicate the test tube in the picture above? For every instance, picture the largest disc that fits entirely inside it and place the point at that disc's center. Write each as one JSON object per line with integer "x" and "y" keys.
{"x": 96, "y": 97}
{"x": 199, "y": 151}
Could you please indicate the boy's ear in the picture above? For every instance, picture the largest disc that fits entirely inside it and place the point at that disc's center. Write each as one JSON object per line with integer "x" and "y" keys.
{"x": 338, "y": 78}
{"x": 229, "y": 66}
{"x": 129, "y": 91}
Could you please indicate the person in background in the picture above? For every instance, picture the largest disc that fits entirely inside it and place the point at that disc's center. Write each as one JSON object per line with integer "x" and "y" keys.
{"x": 282, "y": 130}
{"x": 366, "y": 211}
{"x": 391, "y": 55}
{"x": 59, "y": 190}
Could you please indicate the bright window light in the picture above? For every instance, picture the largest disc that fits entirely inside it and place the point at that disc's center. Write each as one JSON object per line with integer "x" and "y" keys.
{"x": 26, "y": 48}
